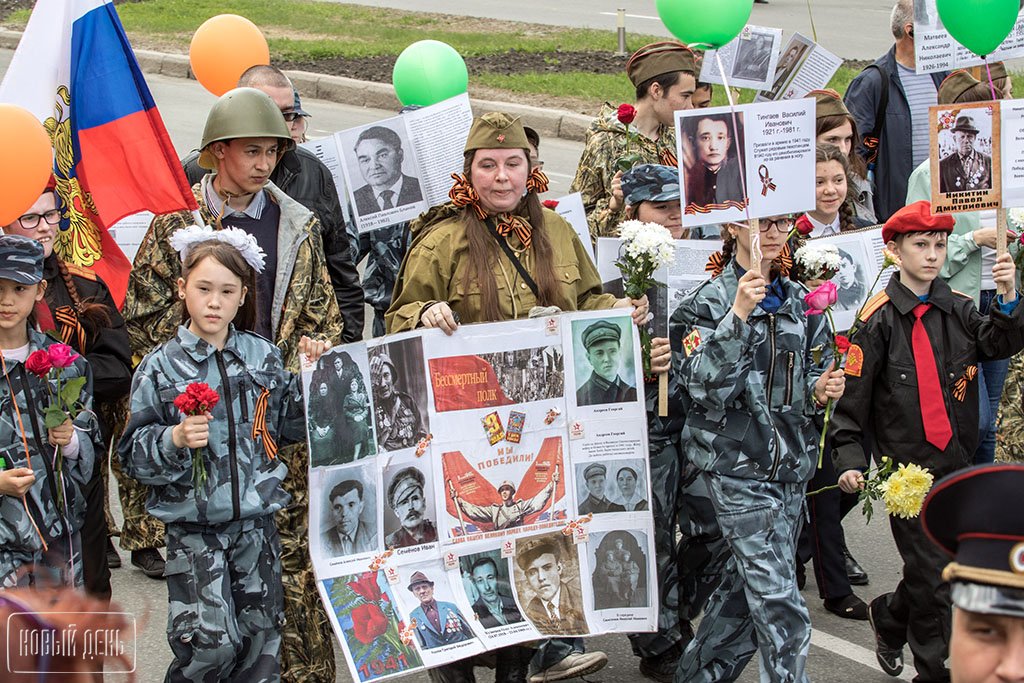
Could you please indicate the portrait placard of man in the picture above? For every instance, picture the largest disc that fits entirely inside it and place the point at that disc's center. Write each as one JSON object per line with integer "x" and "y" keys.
{"x": 437, "y": 623}
{"x": 711, "y": 161}
{"x": 603, "y": 343}
{"x": 380, "y": 156}
{"x": 349, "y": 533}
{"x": 596, "y": 502}
{"x": 494, "y": 607}
{"x": 399, "y": 424}
{"x": 557, "y": 604}
{"x": 407, "y": 500}
{"x": 966, "y": 168}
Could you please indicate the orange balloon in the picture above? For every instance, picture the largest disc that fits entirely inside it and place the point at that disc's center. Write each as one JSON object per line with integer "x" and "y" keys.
{"x": 26, "y": 161}
{"x": 223, "y": 48}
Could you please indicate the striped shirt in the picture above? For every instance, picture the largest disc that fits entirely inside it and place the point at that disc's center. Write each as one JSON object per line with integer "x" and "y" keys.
{"x": 921, "y": 94}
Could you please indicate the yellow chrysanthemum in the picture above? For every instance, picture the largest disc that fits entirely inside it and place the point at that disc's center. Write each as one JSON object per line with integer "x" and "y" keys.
{"x": 904, "y": 491}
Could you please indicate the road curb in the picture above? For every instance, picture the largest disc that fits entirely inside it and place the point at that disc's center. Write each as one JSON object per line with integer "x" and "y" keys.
{"x": 551, "y": 123}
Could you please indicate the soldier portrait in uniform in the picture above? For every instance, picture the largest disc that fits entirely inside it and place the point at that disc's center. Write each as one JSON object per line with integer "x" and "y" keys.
{"x": 968, "y": 167}
{"x": 606, "y": 345}
{"x": 349, "y": 524}
{"x": 547, "y": 581}
{"x": 620, "y": 569}
{"x": 850, "y": 281}
{"x": 411, "y": 507}
{"x": 380, "y": 156}
{"x": 494, "y": 605}
{"x": 397, "y": 380}
{"x": 340, "y": 427}
{"x": 437, "y": 623}
{"x": 711, "y": 164}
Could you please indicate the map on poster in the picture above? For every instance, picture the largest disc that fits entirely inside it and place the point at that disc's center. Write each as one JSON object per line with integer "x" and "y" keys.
{"x": 448, "y": 481}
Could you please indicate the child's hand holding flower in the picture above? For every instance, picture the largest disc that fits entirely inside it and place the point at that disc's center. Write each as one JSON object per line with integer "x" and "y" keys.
{"x": 192, "y": 432}
{"x": 830, "y": 386}
{"x": 61, "y": 434}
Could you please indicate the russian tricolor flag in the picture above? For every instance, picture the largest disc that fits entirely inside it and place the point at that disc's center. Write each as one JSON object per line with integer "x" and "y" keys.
{"x": 76, "y": 71}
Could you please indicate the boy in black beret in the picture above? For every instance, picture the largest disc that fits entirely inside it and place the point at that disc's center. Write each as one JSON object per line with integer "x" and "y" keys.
{"x": 911, "y": 383}
{"x": 970, "y": 515}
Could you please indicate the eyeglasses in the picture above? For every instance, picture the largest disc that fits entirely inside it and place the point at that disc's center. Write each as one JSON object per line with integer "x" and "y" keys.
{"x": 783, "y": 225}
{"x": 31, "y": 220}
{"x": 292, "y": 116}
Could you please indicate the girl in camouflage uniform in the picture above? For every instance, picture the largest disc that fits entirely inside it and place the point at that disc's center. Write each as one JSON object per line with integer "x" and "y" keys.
{"x": 223, "y": 554}
{"x": 34, "y": 529}
{"x": 754, "y": 386}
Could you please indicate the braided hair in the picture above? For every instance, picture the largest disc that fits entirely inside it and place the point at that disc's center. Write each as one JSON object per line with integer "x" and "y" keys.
{"x": 93, "y": 315}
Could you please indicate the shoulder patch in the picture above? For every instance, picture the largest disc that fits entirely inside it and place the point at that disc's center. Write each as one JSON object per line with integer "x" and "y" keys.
{"x": 872, "y": 305}
{"x": 691, "y": 342}
{"x": 854, "y": 360}
{"x": 79, "y": 271}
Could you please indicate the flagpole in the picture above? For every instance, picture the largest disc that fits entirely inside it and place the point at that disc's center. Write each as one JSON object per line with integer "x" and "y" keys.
{"x": 199, "y": 218}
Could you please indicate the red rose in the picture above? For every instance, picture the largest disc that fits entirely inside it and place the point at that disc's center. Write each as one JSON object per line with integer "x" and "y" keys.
{"x": 198, "y": 398}
{"x": 803, "y": 226}
{"x": 366, "y": 587}
{"x": 38, "y": 363}
{"x": 842, "y": 343}
{"x": 550, "y": 204}
{"x": 626, "y": 114}
{"x": 368, "y": 623}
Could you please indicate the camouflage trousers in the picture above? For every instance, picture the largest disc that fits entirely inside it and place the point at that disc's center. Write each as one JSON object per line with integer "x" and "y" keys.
{"x": 225, "y": 603}
{"x": 756, "y": 606}
{"x": 702, "y": 550}
{"x": 60, "y": 565}
{"x": 666, "y": 461}
{"x": 307, "y": 650}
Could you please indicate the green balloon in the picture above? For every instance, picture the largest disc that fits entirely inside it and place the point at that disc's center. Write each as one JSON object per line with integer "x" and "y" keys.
{"x": 979, "y": 25}
{"x": 427, "y": 72}
{"x": 708, "y": 23}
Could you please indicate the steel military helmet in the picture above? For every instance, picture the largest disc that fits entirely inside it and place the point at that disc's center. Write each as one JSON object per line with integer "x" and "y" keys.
{"x": 243, "y": 113}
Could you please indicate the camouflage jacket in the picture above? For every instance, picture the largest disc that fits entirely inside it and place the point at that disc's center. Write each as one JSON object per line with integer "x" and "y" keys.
{"x": 304, "y": 302}
{"x": 606, "y": 143}
{"x": 258, "y": 397}
{"x": 19, "y": 542}
{"x": 384, "y": 250}
{"x": 749, "y": 384}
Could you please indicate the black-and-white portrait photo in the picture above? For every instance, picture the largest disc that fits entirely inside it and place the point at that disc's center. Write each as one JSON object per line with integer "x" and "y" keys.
{"x": 340, "y": 426}
{"x": 547, "y": 580}
{"x": 619, "y": 565}
{"x": 753, "y": 56}
{"x": 712, "y": 169}
{"x": 604, "y": 361}
{"x": 381, "y": 175}
{"x": 850, "y": 281}
{"x": 611, "y": 486}
{"x": 409, "y": 515}
{"x": 965, "y": 151}
{"x": 787, "y": 65}
{"x": 489, "y": 589}
{"x": 349, "y": 518}
{"x": 399, "y": 387}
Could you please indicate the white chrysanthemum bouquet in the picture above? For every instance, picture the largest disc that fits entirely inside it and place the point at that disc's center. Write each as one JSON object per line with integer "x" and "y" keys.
{"x": 646, "y": 247}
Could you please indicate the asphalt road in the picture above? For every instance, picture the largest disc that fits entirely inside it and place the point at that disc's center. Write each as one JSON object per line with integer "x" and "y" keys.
{"x": 840, "y": 651}
{"x": 835, "y": 20}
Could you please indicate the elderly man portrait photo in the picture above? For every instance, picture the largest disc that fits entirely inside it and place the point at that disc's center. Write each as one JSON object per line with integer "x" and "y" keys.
{"x": 551, "y": 573}
{"x": 409, "y": 504}
{"x": 494, "y": 605}
{"x": 380, "y": 156}
{"x": 349, "y": 532}
{"x": 602, "y": 341}
{"x": 967, "y": 167}
{"x": 437, "y": 623}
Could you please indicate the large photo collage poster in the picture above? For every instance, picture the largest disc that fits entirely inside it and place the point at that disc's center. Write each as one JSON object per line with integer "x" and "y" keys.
{"x": 474, "y": 491}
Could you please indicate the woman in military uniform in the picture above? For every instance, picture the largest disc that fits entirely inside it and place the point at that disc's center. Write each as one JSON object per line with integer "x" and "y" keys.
{"x": 494, "y": 253}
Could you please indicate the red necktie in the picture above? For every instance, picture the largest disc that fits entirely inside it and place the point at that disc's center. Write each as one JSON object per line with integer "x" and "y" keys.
{"x": 933, "y": 407}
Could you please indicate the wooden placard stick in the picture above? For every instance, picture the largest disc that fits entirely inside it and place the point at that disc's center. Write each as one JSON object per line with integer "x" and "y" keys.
{"x": 755, "y": 244}
{"x": 1001, "y": 243}
{"x": 663, "y": 394}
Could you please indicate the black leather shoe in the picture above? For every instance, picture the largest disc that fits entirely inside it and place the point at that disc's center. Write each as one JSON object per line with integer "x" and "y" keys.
{"x": 661, "y": 668}
{"x": 113, "y": 559}
{"x": 149, "y": 561}
{"x": 848, "y": 607}
{"x": 889, "y": 658}
{"x": 856, "y": 573}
